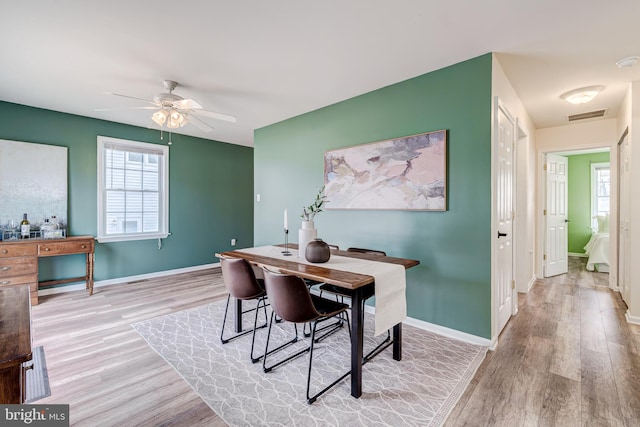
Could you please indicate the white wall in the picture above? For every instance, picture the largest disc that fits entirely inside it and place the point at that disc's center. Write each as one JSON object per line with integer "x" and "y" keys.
{"x": 576, "y": 136}
{"x": 524, "y": 238}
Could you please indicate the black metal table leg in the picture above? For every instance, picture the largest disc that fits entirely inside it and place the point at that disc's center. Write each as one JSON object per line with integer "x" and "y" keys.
{"x": 237, "y": 311}
{"x": 357, "y": 321}
{"x": 397, "y": 342}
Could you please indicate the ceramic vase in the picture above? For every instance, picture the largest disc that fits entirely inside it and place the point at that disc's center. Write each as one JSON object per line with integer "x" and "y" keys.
{"x": 305, "y": 235}
{"x": 317, "y": 251}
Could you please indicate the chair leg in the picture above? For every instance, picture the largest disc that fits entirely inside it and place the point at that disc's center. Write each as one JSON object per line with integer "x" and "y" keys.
{"x": 311, "y": 399}
{"x": 334, "y": 327}
{"x": 268, "y": 352}
{"x": 379, "y": 348}
{"x": 262, "y": 301}
{"x": 243, "y": 333}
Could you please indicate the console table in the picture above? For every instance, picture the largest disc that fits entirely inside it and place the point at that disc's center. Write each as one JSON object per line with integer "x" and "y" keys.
{"x": 15, "y": 336}
{"x": 19, "y": 261}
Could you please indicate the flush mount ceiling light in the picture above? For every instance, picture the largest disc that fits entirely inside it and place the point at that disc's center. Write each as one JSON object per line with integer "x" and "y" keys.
{"x": 627, "y": 62}
{"x": 582, "y": 95}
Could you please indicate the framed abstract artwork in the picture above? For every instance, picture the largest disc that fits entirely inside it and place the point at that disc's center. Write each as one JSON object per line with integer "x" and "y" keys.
{"x": 33, "y": 180}
{"x": 405, "y": 173}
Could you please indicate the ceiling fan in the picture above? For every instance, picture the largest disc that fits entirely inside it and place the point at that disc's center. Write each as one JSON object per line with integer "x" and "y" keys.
{"x": 175, "y": 111}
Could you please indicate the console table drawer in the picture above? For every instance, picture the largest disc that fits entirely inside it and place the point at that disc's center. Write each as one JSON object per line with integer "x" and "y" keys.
{"x": 18, "y": 266}
{"x": 17, "y": 249}
{"x": 62, "y": 248}
{"x": 26, "y": 279}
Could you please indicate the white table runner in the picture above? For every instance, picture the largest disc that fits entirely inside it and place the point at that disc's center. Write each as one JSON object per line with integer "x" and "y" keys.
{"x": 390, "y": 282}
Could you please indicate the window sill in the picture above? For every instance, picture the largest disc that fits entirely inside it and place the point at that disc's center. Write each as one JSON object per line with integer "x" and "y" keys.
{"x": 128, "y": 238}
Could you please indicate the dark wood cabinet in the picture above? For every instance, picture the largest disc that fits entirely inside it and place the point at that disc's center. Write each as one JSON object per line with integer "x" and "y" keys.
{"x": 15, "y": 340}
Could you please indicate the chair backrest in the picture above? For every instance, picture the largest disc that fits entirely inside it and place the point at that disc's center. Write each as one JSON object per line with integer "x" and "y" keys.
{"x": 367, "y": 251}
{"x": 240, "y": 279}
{"x": 289, "y": 297}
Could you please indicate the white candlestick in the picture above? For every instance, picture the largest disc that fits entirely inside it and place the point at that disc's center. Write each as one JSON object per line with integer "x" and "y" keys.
{"x": 286, "y": 220}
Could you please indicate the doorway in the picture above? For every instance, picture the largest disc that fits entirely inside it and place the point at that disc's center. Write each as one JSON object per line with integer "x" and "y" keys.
{"x": 585, "y": 220}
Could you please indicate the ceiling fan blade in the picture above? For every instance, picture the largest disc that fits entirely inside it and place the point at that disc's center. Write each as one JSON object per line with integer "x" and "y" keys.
{"x": 125, "y": 108}
{"x": 131, "y": 97}
{"x": 219, "y": 116}
{"x": 187, "y": 104}
{"x": 199, "y": 123}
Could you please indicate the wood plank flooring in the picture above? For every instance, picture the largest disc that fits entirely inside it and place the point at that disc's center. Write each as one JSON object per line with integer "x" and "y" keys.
{"x": 101, "y": 367}
{"x": 567, "y": 358}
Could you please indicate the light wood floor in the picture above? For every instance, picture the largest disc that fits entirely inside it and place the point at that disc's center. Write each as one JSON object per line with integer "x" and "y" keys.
{"x": 101, "y": 367}
{"x": 567, "y": 358}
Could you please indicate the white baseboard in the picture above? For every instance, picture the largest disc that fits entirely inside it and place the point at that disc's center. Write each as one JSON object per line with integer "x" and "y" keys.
{"x": 442, "y": 330}
{"x": 531, "y": 282}
{"x": 82, "y": 286}
{"x": 578, "y": 255}
{"x": 635, "y": 320}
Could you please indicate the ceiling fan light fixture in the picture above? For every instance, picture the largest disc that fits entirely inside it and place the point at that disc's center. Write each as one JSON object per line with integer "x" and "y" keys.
{"x": 176, "y": 120}
{"x": 582, "y": 95}
{"x": 159, "y": 117}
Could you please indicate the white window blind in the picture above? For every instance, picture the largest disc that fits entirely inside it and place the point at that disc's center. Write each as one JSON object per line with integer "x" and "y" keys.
{"x": 133, "y": 190}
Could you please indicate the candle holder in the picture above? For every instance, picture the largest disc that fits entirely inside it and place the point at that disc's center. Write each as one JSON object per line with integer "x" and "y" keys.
{"x": 286, "y": 243}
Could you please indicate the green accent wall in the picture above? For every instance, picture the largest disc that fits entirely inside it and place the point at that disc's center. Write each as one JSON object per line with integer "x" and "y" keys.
{"x": 452, "y": 285}
{"x": 579, "y": 198}
{"x": 210, "y": 194}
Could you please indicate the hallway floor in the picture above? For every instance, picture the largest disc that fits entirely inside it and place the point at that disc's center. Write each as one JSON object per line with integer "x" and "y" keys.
{"x": 567, "y": 358}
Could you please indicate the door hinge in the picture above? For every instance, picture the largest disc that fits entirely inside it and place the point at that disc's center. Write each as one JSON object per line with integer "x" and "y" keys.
{"x": 545, "y": 166}
{"x": 544, "y": 257}
{"x": 513, "y": 284}
{"x": 544, "y": 212}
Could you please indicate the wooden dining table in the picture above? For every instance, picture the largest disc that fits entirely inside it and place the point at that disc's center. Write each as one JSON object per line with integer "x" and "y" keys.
{"x": 361, "y": 286}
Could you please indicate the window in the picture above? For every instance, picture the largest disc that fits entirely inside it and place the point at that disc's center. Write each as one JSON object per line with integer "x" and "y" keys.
{"x": 133, "y": 190}
{"x": 600, "y": 184}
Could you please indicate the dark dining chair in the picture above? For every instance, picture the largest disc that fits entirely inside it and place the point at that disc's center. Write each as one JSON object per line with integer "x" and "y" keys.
{"x": 328, "y": 329}
{"x": 292, "y": 302}
{"x": 367, "y": 251}
{"x": 341, "y": 293}
{"x": 241, "y": 282}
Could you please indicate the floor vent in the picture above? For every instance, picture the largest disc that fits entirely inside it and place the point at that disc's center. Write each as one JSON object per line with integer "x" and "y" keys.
{"x": 589, "y": 115}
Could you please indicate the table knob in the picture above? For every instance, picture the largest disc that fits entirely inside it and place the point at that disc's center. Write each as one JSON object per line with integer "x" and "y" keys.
{"x": 6, "y": 268}
{"x": 5, "y": 282}
{"x": 84, "y": 247}
{"x": 4, "y": 251}
{"x": 47, "y": 249}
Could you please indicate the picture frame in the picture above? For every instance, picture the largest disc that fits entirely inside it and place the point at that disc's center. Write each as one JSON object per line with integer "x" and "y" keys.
{"x": 404, "y": 173}
{"x": 33, "y": 180}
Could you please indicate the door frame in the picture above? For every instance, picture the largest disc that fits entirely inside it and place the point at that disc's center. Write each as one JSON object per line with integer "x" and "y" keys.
{"x": 541, "y": 201}
{"x": 617, "y": 265}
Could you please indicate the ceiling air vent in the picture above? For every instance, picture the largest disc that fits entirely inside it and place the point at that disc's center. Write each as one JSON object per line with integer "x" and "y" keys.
{"x": 589, "y": 115}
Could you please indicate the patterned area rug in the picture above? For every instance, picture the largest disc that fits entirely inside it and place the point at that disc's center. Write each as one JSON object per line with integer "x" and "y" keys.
{"x": 420, "y": 390}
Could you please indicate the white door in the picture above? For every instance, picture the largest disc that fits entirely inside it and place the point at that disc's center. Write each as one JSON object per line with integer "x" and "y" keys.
{"x": 505, "y": 215}
{"x": 623, "y": 234}
{"x": 556, "y": 245}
